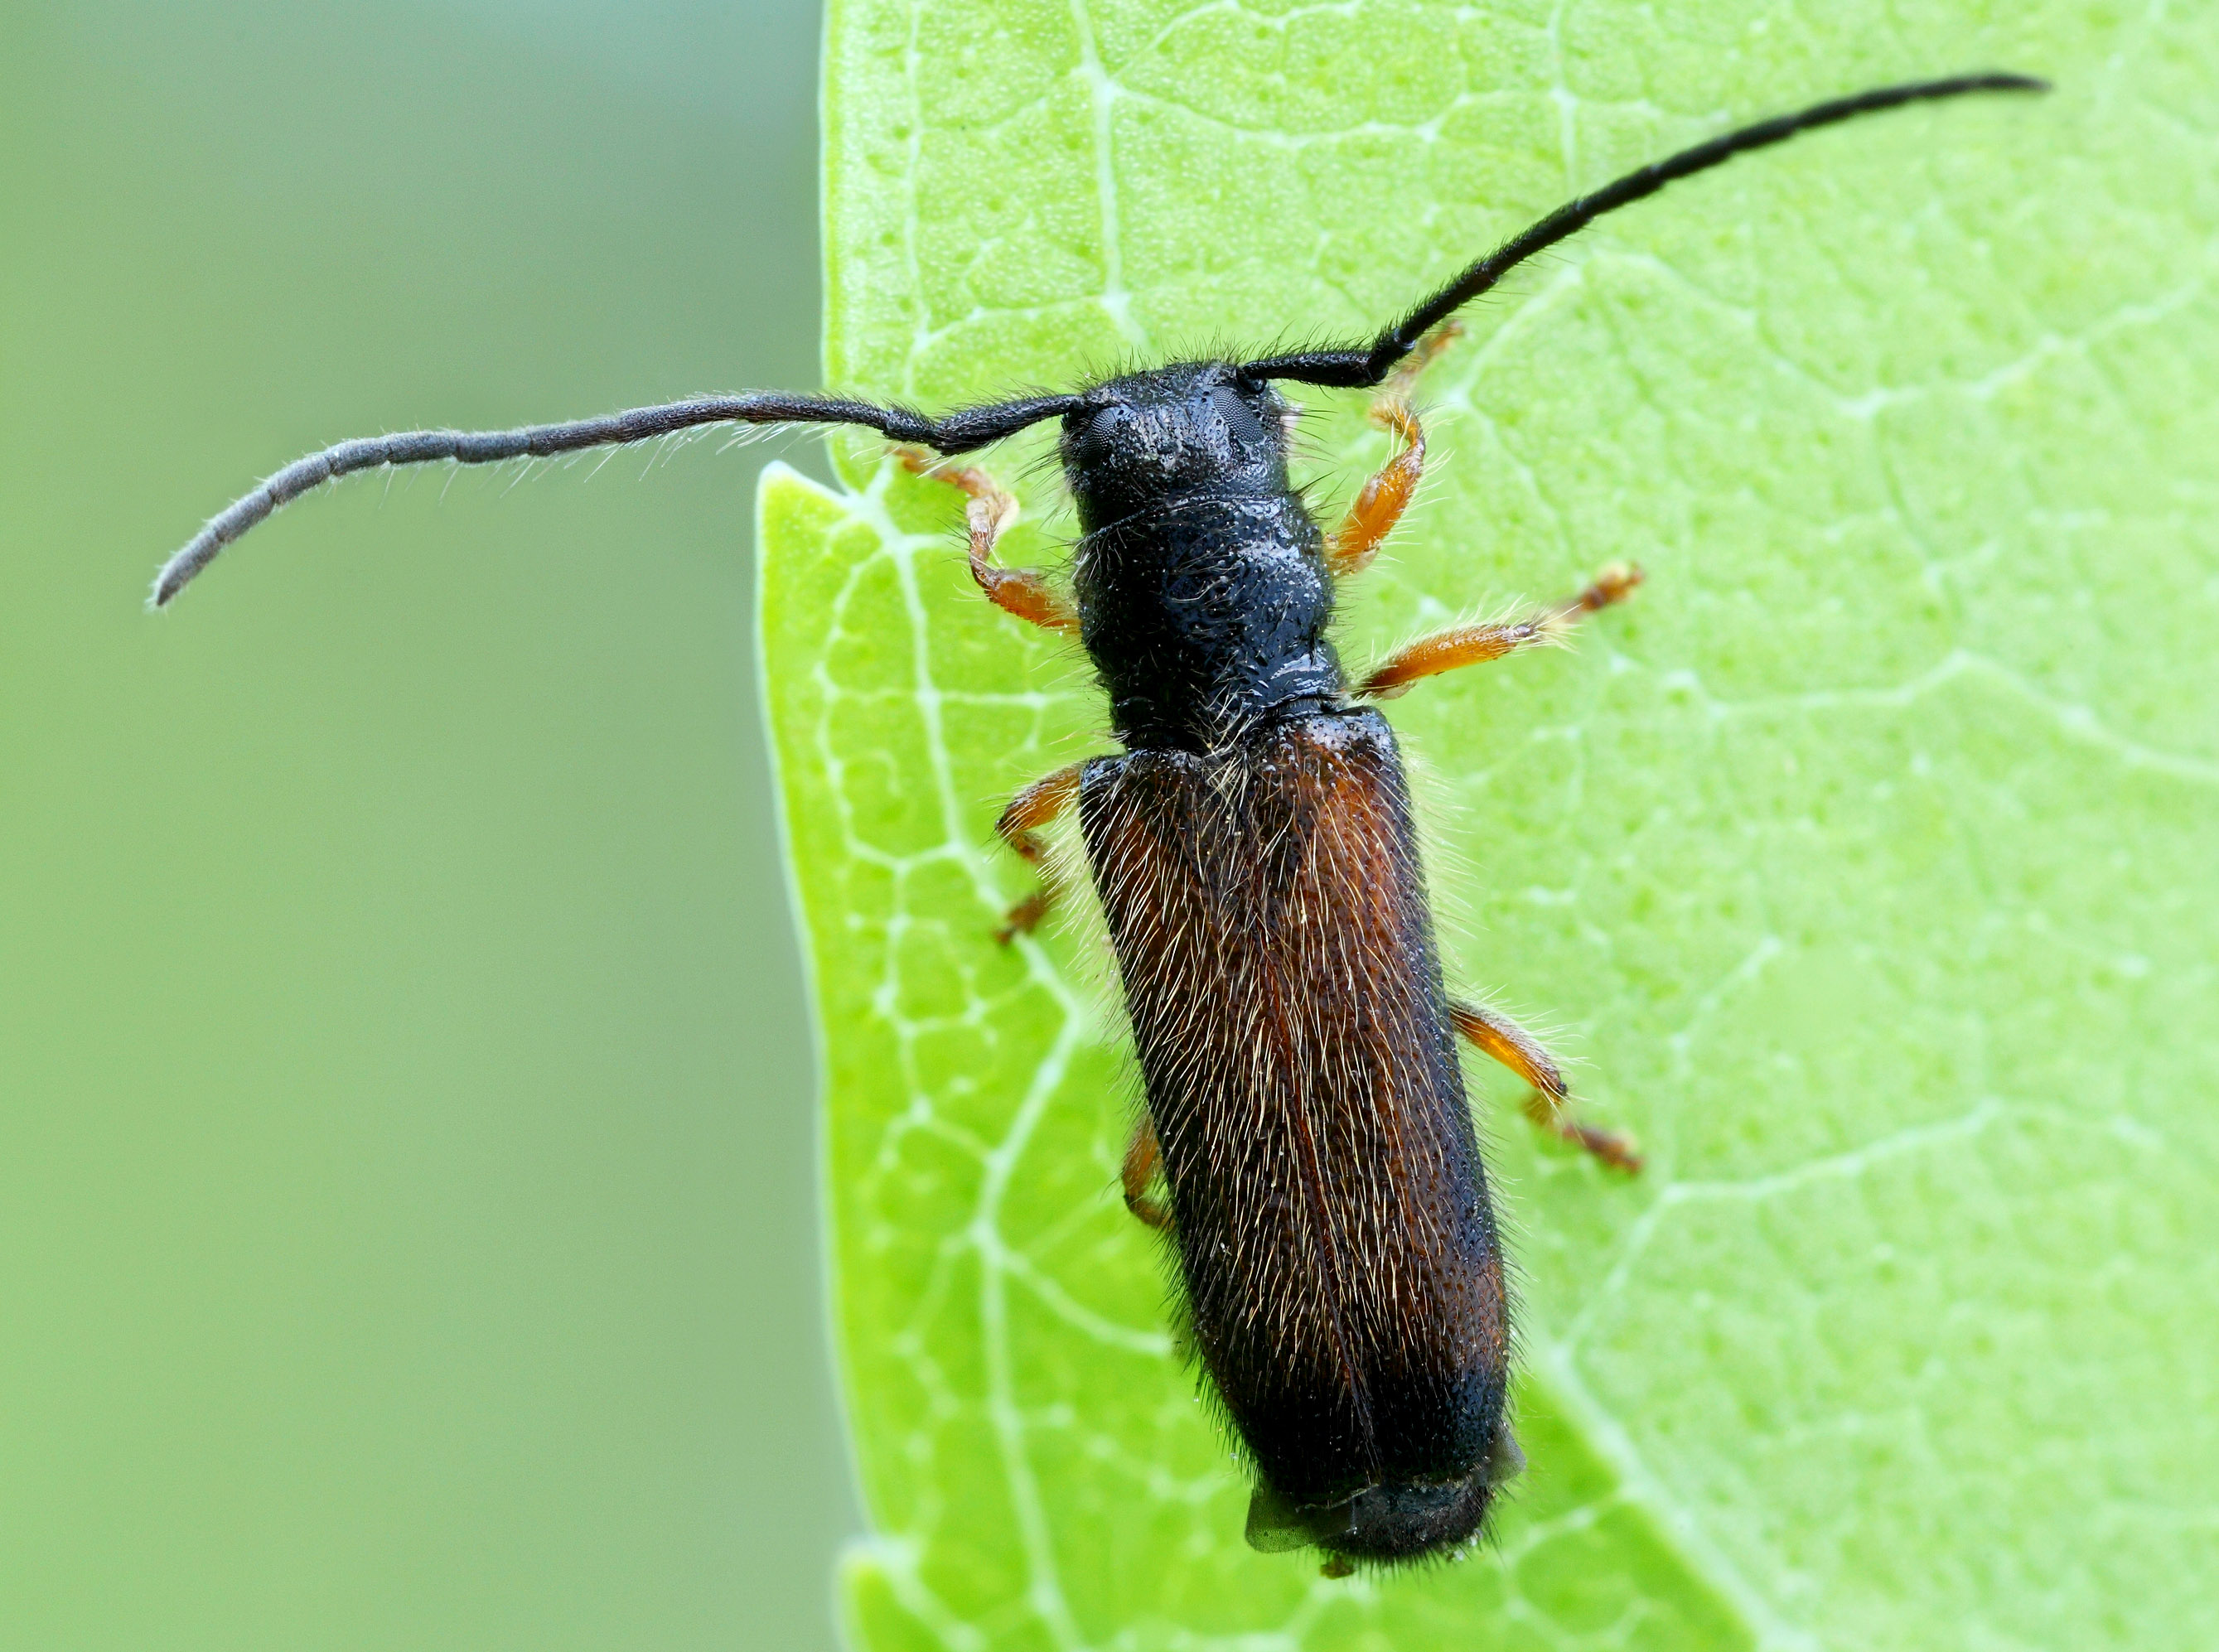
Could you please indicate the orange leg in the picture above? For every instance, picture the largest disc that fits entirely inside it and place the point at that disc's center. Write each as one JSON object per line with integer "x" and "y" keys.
{"x": 1468, "y": 645}
{"x": 991, "y": 512}
{"x": 1380, "y": 505}
{"x": 1142, "y": 1158}
{"x": 1033, "y": 808}
{"x": 1493, "y": 1034}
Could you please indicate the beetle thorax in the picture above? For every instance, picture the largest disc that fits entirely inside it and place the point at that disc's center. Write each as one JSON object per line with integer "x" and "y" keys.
{"x": 1202, "y": 591}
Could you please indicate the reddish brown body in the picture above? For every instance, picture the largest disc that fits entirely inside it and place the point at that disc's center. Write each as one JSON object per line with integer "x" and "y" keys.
{"x": 1254, "y": 849}
{"x": 1268, "y": 911}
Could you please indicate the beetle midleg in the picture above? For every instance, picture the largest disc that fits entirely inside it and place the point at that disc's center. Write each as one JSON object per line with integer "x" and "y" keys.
{"x": 991, "y": 512}
{"x": 1493, "y": 1034}
{"x": 1035, "y": 806}
{"x": 1387, "y": 493}
{"x": 1142, "y": 1157}
{"x": 1467, "y": 645}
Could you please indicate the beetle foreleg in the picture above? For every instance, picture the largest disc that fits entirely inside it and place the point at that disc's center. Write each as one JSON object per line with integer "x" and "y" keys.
{"x": 1387, "y": 493}
{"x": 990, "y": 512}
{"x": 1380, "y": 505}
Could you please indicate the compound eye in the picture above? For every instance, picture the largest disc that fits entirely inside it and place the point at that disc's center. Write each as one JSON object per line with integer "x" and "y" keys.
{"x": 1100, "y": 434}
{"x": 1239, "y": 417}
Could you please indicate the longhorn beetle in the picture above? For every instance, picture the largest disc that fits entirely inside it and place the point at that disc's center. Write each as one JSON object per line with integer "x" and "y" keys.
{"x": 1254, "y": 855}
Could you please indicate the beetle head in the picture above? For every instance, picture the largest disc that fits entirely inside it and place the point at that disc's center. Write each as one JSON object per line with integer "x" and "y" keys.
{"x": 1151, "y": 439}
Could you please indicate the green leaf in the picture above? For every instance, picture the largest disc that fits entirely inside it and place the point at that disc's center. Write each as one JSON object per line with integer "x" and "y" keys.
{"x": 1866, "y": 860}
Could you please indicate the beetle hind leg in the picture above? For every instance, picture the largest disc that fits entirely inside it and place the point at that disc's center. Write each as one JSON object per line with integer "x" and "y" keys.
{"x": 1495, "y": 1035}
{"x": 1610, "y": 1147}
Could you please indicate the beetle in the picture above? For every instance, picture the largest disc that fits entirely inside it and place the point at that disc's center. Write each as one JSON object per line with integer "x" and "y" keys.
{"x": 1253, "y": 850}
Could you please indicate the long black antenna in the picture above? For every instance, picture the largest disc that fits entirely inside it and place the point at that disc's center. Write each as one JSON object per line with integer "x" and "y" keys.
{"x": 1363, "y": 366}
{"x": 958, "y": 433}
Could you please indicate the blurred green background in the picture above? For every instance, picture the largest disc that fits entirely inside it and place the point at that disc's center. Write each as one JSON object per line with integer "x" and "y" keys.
{"x": 407, "y": 1194}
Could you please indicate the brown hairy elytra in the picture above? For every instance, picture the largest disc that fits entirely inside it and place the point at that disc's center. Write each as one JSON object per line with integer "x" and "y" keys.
{"x": 1329, "y": 1207}
{"x": 1253, "y": 847}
